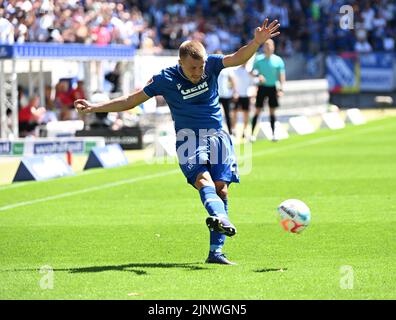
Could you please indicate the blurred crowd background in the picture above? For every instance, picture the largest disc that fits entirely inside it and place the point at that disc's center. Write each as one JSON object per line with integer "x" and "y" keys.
{"x": 307, "y": 26}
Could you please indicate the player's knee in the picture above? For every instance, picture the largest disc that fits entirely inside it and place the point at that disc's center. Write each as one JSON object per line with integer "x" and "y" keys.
{"x": 203, "y": 180}
{"x": 222, "y": 190}
{"x": 223, "y": 193}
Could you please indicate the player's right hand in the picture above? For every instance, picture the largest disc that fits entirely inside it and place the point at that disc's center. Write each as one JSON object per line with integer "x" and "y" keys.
{"x": 82, "y": 106}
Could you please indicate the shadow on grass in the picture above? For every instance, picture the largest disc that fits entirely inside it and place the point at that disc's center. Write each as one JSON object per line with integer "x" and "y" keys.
{"x": 136, "y": 268}
{"x": 272, "y": 270}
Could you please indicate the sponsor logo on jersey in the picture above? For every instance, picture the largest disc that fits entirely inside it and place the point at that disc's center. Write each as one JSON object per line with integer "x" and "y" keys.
{"x": 194, "y": 91}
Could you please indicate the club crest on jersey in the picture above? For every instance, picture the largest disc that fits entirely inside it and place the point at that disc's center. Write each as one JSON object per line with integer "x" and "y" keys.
{"x": 195, "y": 91}
{"x": 178, "y": 86}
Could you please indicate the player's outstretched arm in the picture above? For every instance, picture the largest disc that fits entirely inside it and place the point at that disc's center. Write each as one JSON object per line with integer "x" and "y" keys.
{"x": 115, "y": 105}
{"x": 261, "y": 35}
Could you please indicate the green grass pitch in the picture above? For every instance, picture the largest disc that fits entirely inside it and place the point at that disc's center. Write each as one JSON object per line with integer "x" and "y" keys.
{"x": 138, "y": 232}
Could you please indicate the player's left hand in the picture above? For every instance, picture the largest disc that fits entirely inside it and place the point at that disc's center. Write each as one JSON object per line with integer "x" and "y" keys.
{"x": 263, "y": 33}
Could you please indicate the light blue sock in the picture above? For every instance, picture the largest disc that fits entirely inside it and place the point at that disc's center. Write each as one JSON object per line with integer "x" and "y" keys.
{"x": 212, "y": 202}
{"x": 225, "y": 201}
{"x": 217, "y": 239}
{"x": 215, "y": 206}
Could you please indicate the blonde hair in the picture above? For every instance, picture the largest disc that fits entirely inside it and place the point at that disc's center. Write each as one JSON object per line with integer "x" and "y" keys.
{"x": 192, "y": 48}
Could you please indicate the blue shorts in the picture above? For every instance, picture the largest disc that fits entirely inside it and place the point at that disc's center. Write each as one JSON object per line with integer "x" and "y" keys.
{"x": 210, "y": 150}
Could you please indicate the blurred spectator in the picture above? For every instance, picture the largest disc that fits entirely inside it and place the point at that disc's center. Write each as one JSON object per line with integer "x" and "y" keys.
{"x": 389, "y": 40}
{"x": 78, "y": 92}
{"x": 6, "y": 30}
{"x": 101, "y": 34}
{"x": 22, "y": 98}
{"x": 9, "y": 123}
{"x": 148, "y": 42}
{"x": 50, "y": 108}
{"x": 114, "y": 78}
{"x": 64, "y": 100}
{"x": 243, "y": 81}
{"x": 362, "y": 45}
{"x": 212, "y": 40}
{"x": 368, "y": 14}
{"x": 30, "y": 117}
{"x": 226, "y": 84}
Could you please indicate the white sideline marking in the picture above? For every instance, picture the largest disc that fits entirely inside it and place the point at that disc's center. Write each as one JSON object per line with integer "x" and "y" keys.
{"x": 12, "y": 186}
{"x": 170, "y": 172}
{"x": 73, "y": 193}
{"x": 79, "y": 174}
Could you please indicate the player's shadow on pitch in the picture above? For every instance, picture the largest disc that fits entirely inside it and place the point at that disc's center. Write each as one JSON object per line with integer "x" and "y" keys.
{"x": 134, "y": 267}
{"x": 271, "y": 270}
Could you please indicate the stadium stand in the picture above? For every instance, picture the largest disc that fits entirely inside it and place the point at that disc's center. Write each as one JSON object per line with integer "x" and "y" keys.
{"x": 308, "y": 26}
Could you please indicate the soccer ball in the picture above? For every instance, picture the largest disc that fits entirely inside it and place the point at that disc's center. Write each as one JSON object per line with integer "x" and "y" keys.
{"x": 294, "y": 215}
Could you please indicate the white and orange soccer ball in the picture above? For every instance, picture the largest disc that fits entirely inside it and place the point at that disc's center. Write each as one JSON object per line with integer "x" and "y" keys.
{"x": 294, "y": 215}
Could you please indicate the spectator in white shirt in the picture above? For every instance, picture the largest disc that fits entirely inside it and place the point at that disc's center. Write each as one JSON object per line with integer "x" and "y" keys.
{"x": 363, "y": 46}
{"x": 389, "y": 41}
{"x": 243, "y": 81}
{"x": 368, "y": 15}
{"x": 226, "y": 83}
{"x": 6, "y": 30}
{"x": 212, "y": 40}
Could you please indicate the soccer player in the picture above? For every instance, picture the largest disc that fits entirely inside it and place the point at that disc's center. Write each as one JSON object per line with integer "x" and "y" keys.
{"x": 205, "y": 151}
{"x": 270, "y": 69}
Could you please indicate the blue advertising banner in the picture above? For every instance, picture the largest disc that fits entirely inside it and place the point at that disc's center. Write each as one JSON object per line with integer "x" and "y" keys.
{"x": 5, "y": 148}
{"x": 42, "y": 168}
{"x": 58, "y": 147}
{"x": 366, "y": 72}
{"x": 66, "y": 51}
{"x": 41, "y": 146}
{"x": 109, "y": 156}
{"x": 5, "y": 51}
{"x": 377, "y": 72}
{"x": 343, "y": 73}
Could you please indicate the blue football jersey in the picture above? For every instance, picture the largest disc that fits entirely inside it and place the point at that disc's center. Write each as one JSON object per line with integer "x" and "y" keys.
{"x": 193, "y": 106}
